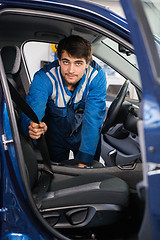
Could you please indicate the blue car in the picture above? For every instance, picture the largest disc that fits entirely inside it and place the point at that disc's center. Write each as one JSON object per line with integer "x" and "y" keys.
{"x": 119, "y": 198}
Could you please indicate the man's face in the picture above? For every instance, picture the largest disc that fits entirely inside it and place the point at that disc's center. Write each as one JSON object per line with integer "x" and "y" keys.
{"x": 72, "y": 69}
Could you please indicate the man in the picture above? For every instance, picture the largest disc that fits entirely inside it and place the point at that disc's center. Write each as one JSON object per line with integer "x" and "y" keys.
{"x": 69, "y": 96}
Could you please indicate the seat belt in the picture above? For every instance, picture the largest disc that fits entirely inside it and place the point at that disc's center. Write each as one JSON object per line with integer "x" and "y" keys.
{"x": 41, "y": 142}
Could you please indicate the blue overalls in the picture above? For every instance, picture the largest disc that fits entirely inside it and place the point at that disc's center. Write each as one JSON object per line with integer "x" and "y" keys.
{"x": 73, "y": 119}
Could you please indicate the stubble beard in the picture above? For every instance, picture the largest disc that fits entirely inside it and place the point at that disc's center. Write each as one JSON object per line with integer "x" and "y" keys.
{"x": 70, "y": 82}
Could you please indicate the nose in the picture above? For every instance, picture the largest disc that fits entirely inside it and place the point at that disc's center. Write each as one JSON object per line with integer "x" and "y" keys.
{"x": 71, "y": 68}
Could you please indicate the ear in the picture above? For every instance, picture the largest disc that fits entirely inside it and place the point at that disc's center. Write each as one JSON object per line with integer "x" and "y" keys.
{"x": 59, "y": 61}
{"x": 88, "y": 64}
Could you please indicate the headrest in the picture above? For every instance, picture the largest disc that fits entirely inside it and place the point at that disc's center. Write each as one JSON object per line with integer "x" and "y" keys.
{"x": 11, "y": 59}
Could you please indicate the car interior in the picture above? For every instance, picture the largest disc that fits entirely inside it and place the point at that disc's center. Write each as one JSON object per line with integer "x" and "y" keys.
{"x": 81, "y": 203}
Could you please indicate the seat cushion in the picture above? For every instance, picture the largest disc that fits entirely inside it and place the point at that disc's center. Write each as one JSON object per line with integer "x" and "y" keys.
{"x": 87, "y": 189}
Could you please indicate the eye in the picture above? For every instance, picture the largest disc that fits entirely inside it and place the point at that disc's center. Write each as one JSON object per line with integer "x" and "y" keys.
{"x": 78, "y": 63}
{"x": 65, "y": 62}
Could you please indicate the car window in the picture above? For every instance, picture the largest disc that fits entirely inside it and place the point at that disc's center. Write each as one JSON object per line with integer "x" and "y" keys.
{"x": 122, "y": 51}
{"x": 152, "y": 10}
{"x": 115, "y": 82}
{"x": 37, "y": 54}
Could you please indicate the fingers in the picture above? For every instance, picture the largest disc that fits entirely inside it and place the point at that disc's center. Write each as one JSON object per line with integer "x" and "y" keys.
{"x": 35, "y": 130}
{"x": 43, "y": 126}
{"x": 81, "y": 165}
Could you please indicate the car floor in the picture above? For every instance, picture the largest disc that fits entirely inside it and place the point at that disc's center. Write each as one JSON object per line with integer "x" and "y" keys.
{"x": 102, "y": 234}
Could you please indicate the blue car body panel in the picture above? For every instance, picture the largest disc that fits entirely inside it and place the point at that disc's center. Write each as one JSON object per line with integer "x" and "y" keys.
{"x": 149, "y": 62}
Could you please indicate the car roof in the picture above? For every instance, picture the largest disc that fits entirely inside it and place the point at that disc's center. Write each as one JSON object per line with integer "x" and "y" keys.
{"x": 25, "y": 20}
{"x": 111, "y": 5}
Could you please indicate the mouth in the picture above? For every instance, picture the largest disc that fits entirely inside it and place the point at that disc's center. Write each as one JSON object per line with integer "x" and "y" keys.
{"x": 70, "y": 76}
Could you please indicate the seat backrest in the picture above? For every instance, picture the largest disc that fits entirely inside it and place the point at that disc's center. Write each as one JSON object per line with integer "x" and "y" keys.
{"x": 11, "y": 58}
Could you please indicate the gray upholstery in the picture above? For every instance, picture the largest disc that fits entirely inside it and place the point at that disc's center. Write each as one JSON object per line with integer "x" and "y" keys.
{"x": 11, "y": 58}
{"x": 88, "y": 189}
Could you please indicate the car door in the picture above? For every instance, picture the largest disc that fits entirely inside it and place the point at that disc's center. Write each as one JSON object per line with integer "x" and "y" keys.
{"x": 149, "y": 127}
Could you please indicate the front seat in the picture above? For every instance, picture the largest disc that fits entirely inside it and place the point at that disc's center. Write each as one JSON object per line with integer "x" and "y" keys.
{"x": 84, "y": 201}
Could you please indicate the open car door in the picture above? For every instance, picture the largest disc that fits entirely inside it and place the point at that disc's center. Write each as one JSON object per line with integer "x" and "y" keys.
{"x": 149, "y": 127}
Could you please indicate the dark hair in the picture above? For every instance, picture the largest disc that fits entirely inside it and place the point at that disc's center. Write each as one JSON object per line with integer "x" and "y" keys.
{"x": 75, "y": 46}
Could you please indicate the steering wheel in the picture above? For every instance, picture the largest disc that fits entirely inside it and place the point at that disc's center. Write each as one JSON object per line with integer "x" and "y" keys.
{"x": 115, "y": 108}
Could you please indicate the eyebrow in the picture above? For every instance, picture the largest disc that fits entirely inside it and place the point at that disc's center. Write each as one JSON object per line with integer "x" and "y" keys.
{"x": 77, "y": 61}
{"x": 65, "y": 59}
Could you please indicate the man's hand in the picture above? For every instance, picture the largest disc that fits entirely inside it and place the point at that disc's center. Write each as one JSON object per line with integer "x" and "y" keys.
{"x": 35, "y": 130}
{"x": 81, "y": 165}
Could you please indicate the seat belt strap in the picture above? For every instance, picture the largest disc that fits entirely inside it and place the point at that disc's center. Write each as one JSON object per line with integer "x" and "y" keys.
{"x": 41, "y": 142}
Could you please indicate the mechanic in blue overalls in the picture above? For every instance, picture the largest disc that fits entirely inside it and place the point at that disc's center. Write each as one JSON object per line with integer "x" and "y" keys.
{"x": 69, "y": 98}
